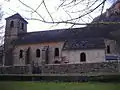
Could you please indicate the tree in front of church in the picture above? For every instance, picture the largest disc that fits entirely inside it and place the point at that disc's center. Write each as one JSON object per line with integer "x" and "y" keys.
{"x": 67, "y": 12}
{"x": 1, "y": 35}
{"x": 1, "y": 27}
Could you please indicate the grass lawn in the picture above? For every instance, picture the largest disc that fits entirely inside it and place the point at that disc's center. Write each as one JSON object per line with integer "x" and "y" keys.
{"x": 58, "y": 86}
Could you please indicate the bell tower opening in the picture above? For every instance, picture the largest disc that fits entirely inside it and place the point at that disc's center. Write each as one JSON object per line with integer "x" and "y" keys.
{"x": 12, "y": 24}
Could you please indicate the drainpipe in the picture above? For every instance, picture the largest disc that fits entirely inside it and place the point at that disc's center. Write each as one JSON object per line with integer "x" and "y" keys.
{"x": 3, "y": 58}
{"x": 118, "y": 63}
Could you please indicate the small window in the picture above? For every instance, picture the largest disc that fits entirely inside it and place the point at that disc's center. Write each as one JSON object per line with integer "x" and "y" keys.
{"x": 108, "y": 49}
{"x": 21, "y": 54}
{"x": 12, "y": 24}
{"x": 22, "y": 26}
{"x": 38, "y": 53}
{"x": 83, "y": 57}
{"x": 56, "y": 51}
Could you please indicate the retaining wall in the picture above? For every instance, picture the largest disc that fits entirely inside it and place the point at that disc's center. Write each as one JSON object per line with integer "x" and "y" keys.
{"x": 110, "y": 67}
{"x": 81, "y": 68}
{"x": 14, "y": 70}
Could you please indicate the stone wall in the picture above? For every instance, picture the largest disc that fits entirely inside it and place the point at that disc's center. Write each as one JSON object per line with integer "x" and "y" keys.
{"x": 104, "y": 67}
{"x": 14, "y": 70}
{"x": 33, "y": 48}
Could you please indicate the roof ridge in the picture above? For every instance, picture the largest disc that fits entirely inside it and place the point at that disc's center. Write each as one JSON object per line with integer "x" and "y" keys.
{"x": 56, "y": 30}
{"x": 15, "y": 16}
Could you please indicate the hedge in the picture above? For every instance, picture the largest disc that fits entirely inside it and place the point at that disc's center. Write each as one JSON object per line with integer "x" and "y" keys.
{"x": 101, "y": 78}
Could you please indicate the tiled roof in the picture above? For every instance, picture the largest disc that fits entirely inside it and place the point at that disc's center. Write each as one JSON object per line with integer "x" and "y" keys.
{"x": 46, "y": 36}
{"x": 60, "y": 35}
{"x": 17, "y": 16}
{"x": 93, "y": 43}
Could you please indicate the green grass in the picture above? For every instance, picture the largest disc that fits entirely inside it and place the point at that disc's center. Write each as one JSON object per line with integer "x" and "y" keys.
{"x": 58, "y": 86}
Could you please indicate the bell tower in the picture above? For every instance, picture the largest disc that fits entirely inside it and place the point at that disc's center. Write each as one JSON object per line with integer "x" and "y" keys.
{"x": 15, "y": 25}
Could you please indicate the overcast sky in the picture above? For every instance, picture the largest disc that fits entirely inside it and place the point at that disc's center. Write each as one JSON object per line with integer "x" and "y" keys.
{"x": 14, "y": 6}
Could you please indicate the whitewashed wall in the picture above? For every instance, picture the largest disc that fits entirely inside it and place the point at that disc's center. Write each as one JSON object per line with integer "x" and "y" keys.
{"x": 94, "y": 55}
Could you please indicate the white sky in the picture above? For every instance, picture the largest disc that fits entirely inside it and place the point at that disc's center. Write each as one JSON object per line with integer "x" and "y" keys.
{"x": 14, "y": 6}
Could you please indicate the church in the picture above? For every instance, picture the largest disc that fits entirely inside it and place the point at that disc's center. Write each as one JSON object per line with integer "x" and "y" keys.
{"x": 90, "y": 44}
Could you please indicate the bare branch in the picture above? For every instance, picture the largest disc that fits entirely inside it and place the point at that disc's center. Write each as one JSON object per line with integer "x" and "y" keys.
{"x": 61, "y": 4}
{"x": 87, "y": 12}
{"x": 47, "y": 10}
{"x": 31, "y": 9}
{"x": 102, "y": 7}
{"x": 38, "y": 6}
{"x": 88, "y": 7}
{"x": 68, "y": 6}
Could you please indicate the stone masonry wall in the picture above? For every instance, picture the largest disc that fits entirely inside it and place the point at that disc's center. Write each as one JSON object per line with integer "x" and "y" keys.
{"x": 14, "y": 70}
{"x": 104, "y": 67}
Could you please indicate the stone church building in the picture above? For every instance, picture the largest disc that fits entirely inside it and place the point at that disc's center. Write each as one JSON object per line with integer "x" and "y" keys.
{"x": 89, "y": 44}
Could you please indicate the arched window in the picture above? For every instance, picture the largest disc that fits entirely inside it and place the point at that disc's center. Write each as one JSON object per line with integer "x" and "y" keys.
{"x": 27, "y": 59}
{"x": 21, "y": 54}
{"x": 83, "y": 57}
{"x": 22, "y": 26}
{"x": 38, "y": 53}
{"x": 108, "y": 49}
{"x": 56, "y": 51}
{"x": 12, "y": 24}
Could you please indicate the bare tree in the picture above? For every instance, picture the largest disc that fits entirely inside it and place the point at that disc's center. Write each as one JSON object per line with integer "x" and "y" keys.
{"x": 74, "y": 12}
{"x": 1, "y": 35}
{"x": 1, "y": 27}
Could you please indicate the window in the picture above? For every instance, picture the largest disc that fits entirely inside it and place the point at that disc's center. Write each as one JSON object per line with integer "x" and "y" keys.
{"x": 27, "y": 59}
{"x": 83, "y": 57}
{"x": 22, "y": 26}
{"x": 12, "y": 24}
{"x": 38, "y": 53}
{"x": 108, "y": 49}
{"x": 21, "y": 54}
{"x": 56, "y": 51}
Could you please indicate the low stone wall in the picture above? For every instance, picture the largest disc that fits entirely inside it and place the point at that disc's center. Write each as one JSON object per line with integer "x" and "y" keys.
{"x": 81, "y": 68}
{"x": 14, "y": 70}
{"x": 104, "y": 67}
